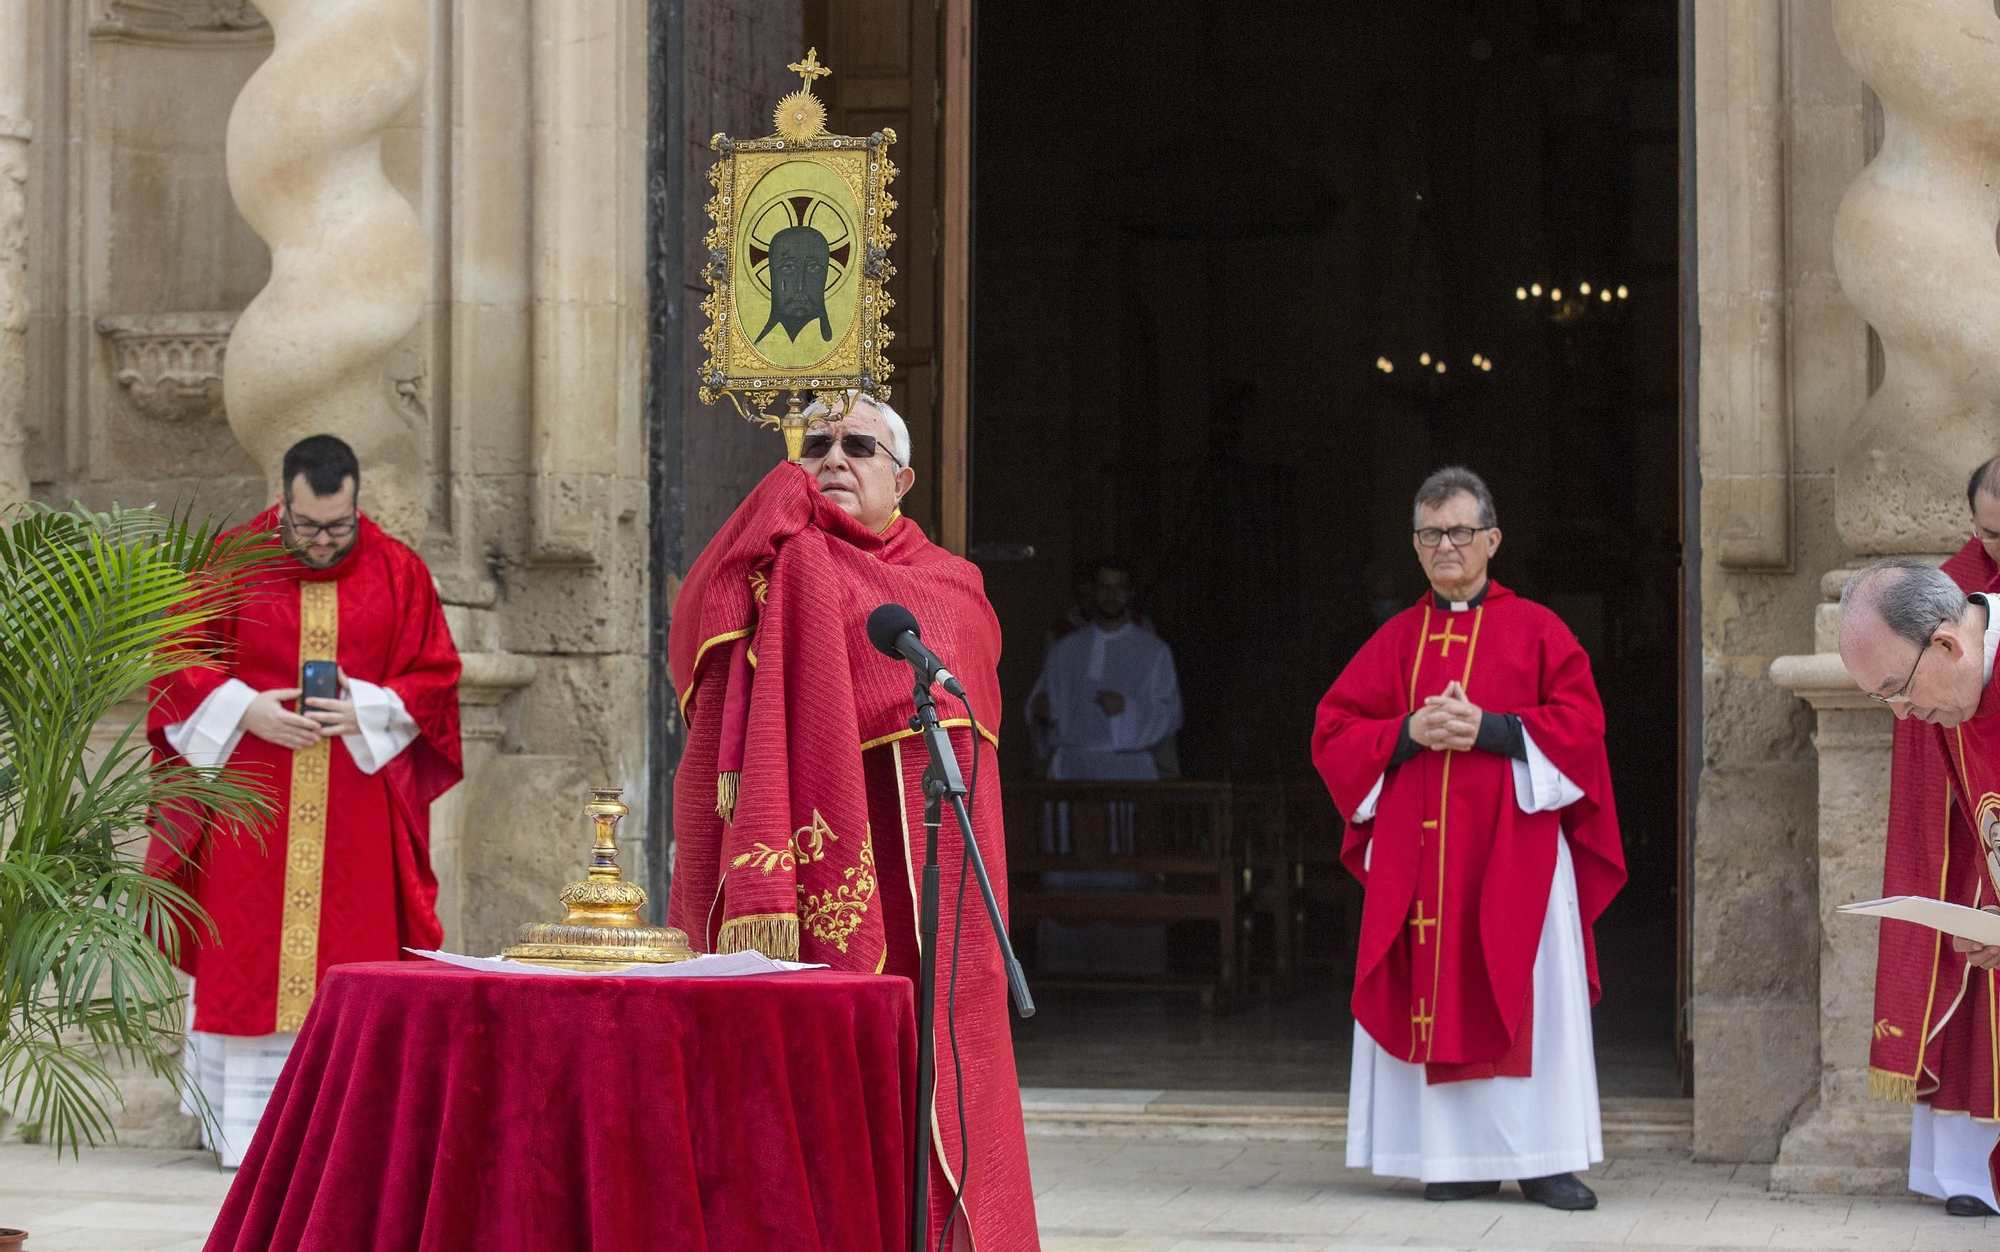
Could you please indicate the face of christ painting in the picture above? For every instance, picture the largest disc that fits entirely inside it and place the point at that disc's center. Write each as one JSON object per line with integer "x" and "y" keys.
{"x": 799, "y": 262}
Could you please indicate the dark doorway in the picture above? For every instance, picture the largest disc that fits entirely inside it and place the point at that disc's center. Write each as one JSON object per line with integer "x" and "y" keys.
{"x": 1204, "y": 229}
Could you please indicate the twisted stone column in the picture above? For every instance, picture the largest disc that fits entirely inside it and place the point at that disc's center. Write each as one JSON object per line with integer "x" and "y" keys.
{"x": 14, "y": 134}
{"x": 349, "y": 264}
{"x": 1914, "y": 247}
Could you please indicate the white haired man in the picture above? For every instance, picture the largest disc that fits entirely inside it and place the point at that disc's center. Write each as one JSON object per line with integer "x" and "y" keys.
{"x": 1486, "y": 839}
{"x": 1916, "y": 641}
{"x": 800, "y": 784}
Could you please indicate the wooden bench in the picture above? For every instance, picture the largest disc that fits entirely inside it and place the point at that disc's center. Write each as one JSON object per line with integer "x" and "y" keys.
{"x": 1204, "y": 852}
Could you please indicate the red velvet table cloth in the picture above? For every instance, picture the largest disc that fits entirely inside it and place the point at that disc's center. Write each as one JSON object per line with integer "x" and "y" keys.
{"x": 428, "y": 1108}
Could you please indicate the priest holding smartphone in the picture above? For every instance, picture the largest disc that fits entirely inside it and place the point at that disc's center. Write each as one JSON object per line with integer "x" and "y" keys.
{"x": 333, "y": 686}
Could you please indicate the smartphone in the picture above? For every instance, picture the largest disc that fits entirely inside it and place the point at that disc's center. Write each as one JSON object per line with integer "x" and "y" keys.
{"x": 318, "y": 680}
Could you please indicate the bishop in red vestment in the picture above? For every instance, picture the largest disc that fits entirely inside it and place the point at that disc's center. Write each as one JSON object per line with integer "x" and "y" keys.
{"x": 341, "y": 871}
{"x": 1915, "y": 640}
{"x": 1465, "y": 743}
{"x": 1932, "y": 1044}
{"x": 798, "y": 804}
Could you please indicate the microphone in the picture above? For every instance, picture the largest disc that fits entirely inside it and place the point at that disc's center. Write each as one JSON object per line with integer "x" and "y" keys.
{"x": 894, "y": 631}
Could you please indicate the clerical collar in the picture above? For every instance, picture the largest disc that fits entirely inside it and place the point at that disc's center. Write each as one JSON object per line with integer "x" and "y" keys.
{"x": 1992, "y": 639}
{"x": 1459, "y": 606}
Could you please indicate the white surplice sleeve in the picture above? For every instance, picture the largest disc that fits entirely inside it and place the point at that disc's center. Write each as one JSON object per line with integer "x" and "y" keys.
{"x": 386, "y": 726}
{"x": 1367, "y": 810}
{"x": 1154, "y": 712}
{"x": 208, "y": 737}
{"x": 1538, "y": 785}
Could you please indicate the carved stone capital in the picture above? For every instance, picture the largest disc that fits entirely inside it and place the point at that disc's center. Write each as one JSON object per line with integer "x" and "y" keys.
{"x": 170, "y": 364}
{"x": 485, "y": 680}
{"x": 1822, "y": 681}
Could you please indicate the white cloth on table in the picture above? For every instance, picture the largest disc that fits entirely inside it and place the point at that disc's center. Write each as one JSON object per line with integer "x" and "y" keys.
{"x": 235, "y": 1075}
{"x": 1493, "y": 1129}
{"x": 1949, "y": 1155}
{"x": 209, "y": 736}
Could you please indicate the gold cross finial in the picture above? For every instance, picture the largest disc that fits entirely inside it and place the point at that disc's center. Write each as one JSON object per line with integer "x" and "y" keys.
{"x": 810, "y": 68}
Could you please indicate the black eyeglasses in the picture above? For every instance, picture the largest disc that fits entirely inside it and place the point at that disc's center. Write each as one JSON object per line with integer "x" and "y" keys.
{"x": 857, "y": 446}
{"x": 1902, "y": 693}
{"x": 313, "y": 530}
{"x": 1431, "y": 536}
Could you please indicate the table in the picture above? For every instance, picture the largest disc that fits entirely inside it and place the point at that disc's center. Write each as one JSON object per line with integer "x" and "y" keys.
{"x": 431, "y": 1109}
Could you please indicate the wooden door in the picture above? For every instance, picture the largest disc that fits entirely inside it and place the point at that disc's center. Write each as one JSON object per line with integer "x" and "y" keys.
{"x": 906, "y": 65}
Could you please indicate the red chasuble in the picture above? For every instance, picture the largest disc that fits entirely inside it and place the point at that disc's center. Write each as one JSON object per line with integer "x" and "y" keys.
{"x": 342, "y": 872}
{"x": 1972, "y": 753}
{"x": 821, "y": 856}
{"x": 1458, "y": 877}
{"x": 1932, "y": 1040}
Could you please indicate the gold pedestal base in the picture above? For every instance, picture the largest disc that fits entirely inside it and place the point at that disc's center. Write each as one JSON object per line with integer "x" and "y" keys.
{"x": 601, "y": 931}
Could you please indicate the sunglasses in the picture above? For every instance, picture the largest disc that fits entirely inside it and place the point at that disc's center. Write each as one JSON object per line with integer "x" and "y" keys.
{"x": 857, "y": 447}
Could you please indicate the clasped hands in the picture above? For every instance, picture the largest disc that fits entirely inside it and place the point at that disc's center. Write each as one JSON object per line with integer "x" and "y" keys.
{"x": 269, "y": 719}
{"x": 1447, "y": 722}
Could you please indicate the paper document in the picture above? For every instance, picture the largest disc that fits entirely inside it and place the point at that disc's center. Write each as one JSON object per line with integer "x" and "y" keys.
{"x": 1953, "y": 919}
{"x": 711, "y": 965}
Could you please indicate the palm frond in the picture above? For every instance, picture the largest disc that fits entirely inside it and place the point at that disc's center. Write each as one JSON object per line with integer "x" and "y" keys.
{"x": 94, "y": 607}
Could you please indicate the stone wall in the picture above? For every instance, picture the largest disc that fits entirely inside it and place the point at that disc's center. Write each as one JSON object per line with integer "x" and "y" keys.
{"x": 1781, "y": 129}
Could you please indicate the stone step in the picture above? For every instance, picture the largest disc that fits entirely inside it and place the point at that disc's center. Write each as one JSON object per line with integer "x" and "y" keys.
{"x": 1631, "y": 1124}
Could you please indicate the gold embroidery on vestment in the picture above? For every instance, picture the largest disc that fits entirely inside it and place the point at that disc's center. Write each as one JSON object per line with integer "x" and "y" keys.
{"x": 305, "y": 826}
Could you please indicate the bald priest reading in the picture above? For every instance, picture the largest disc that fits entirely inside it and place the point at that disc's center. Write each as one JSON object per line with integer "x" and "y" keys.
{"x": 800, "y": 789}
{"x": 1465, "y": 745}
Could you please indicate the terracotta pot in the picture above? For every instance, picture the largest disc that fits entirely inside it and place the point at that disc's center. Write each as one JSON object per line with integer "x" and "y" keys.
{"x": 12, "y": 1240}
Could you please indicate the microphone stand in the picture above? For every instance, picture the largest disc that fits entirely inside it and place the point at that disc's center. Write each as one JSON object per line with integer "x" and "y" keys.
{"x": 942, "y": 782}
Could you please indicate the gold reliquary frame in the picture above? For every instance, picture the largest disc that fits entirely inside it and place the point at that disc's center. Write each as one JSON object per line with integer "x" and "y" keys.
{"x": 798, "y": 259}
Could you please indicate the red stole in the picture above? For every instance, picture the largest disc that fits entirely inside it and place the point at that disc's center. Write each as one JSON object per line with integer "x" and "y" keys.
{"x": 341, "y": 871}
{"x": 1932, "y": 1040}
{"x": 1458, "y": 877}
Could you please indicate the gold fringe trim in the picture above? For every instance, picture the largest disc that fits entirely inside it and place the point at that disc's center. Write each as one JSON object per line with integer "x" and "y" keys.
{"x": 1886, "y": 1085}
{"x": 726, "y": 786}
{"x": 776, "y": 935}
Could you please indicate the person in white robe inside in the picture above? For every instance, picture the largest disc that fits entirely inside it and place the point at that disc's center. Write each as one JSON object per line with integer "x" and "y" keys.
{"x": 1107, "y": 701}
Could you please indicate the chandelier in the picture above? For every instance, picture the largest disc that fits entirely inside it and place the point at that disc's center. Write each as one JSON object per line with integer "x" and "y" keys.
{"x": 1565, "y": 306}
{"x": 1430, "y": 374}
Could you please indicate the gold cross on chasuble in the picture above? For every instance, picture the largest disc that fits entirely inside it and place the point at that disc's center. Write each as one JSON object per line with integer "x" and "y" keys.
{"x": 1421, "y": 1022}
{"x": 1420, "y": 922}
{"x": 305, "y": 825}
{"x": 1448, "y": 637}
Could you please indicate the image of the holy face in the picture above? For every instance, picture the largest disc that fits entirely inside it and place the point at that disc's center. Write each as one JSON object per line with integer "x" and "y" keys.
{"x": 799, "y": 262}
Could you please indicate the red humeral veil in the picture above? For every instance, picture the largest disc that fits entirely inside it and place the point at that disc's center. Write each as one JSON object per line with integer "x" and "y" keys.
{"x": 821, "y": 858}
{"x": 1934, "y": 1039}
{"x": 1458, "y": 876}
{"x": 377, "y": 892}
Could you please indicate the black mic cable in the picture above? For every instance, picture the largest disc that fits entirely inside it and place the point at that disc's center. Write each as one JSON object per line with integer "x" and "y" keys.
{"x": 951, "y": 996}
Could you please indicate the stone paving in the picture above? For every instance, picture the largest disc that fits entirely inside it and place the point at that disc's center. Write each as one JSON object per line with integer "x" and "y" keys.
{"x": 1110, "y": 1195}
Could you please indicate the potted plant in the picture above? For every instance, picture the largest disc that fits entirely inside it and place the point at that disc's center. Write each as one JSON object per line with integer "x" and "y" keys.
{"x": 93, "y": 607}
